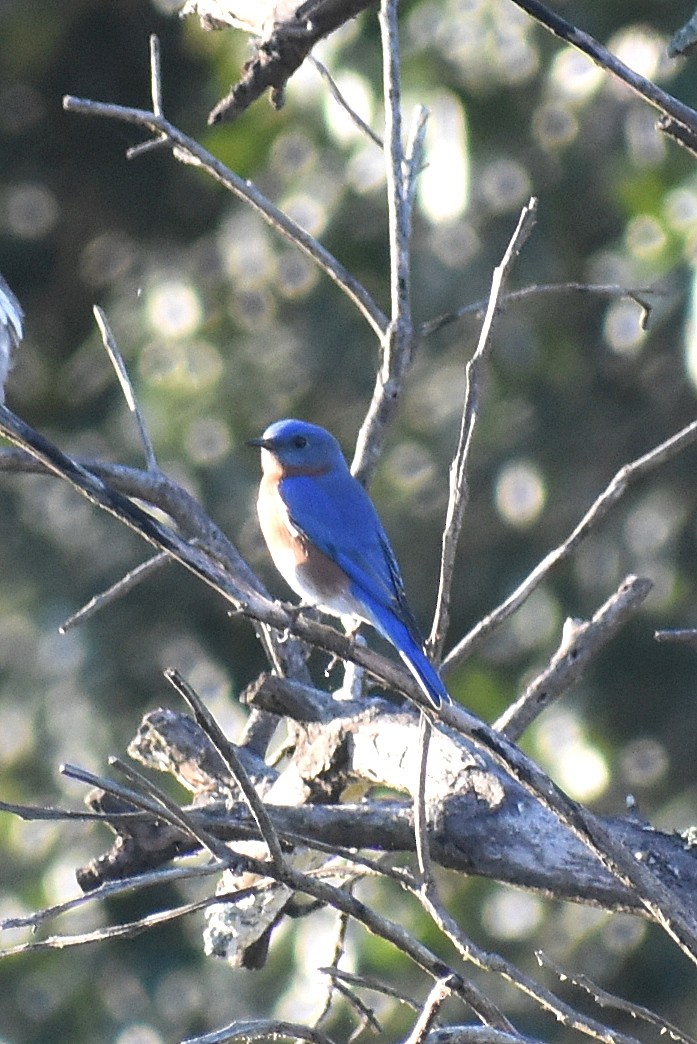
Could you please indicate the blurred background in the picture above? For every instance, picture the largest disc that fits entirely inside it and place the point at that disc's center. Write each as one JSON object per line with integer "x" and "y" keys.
{"x": 226, "y": 328}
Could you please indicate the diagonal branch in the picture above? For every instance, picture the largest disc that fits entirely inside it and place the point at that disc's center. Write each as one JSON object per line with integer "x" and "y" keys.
{"x": 627, "y": 475}
{"x": 457, "y": 500}
{"x": 187, "y": 150}
{"x": 674, "y": 111}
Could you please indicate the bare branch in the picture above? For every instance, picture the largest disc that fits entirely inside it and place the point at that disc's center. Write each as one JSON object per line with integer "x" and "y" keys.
{"x": 608, "y": 1000}
{"x": 234, "y": 763}
{"x": 261, "y": 1029}
{"x": 642, "y": 296}
{"x": 397, "y": 339}
{"x": 116, "y": 358}
{"x": 666, "y": 104}
{"x": 187, "y": 150}
{"x": 287, "y": 33}
{"x": 633, "y": 868}
{"x": 339, "y": 98}
{"x": 493, "y": 962}
{"x": 627, "y": 475}
{"x": 581, "y": 641}
{"x": 127, "y": 583}
{"x": 457, "y": 500}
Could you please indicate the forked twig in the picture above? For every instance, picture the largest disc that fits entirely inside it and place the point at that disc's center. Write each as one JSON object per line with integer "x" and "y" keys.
{"x": 187, "y": 150}
{"x": 458, "y": 495}
{"x": 627, "y": 475}
{"x": 397, "y": 338}
{"x": 639, "y": 295}
{"x": 232, "y": 760}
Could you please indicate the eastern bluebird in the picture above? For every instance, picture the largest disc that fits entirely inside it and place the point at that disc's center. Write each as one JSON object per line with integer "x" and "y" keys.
{"x": 327, "y": 541}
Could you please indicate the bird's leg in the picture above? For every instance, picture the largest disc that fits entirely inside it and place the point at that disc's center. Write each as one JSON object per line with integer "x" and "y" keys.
{"x": 293, "y": 610}
{"x": 352, "y": 687}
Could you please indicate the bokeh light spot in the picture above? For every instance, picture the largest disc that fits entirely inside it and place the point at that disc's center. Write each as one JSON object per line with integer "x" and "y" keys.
{"x": 578, "y": 766}
{"x": 644, "y": 762}
{"x": 520, "y": 493}
{"x": 640, "y": 48}
{"x": 510, "y": 914}
{"x": 207, "y": 440}
{"x": 622, "y": 327}
{"x": 307, "y": 211}
{"x": 190, "y": 367}
{"x": 173, "y": 309}
{"x": 505, "y": 185}
{"x": 554, "y": 125}
{"x": 645, "y": 237}
{"x": 296, "y": 275}
{"x": 443, "y": 186}
{"x": 574, "y": 76}
{"x": 31, "y": 211}
{"x": 623, "y": 933}
{"x": 680, "y": 207}
{"x": 107, "y": 258}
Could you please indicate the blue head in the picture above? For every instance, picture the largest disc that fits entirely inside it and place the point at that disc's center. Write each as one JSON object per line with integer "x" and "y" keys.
{"x": 301, "y": 447}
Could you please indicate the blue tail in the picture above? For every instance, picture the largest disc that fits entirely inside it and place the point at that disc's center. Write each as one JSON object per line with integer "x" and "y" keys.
{"x": 406, "y": 644}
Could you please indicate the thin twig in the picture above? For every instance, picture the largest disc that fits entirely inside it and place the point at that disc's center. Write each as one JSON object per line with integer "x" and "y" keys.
{"x": 581, "y": 641}
{"x": 397, "y": 339}
{"x": 110, "y": 786}
{"x": 439, "y": 993}
{"x": 338, "y": 953}
{"x": 261, "y": 1029}
{"x": 584, "y": 42}
{"x": 367, "y": 982}
{"x": 232, "y": 760}
{"x": 116, "y": 358}
{"x": 368, "y": 1018}
{"x": 681, "y": 636}
{"x": 413, "y": 154}
{"x": 155, "y": 75}
{"x": 156, "y": 97}
{"x": 608, "y": 1000}
{"x": 399, "y": 217}
{"x": 187, "y": 150}
{"x": 132, "y": 578}
{"x": 458, "y": 495}
{"x": 627, "y": 475}
{"x": 494, "y": 962}
{"x": 338, "y": 97}
{"x": 110, "y": 889}
{"x": 174, "y": 814}
{"x": 640, "y": 295}
{"x": 423, "y": 851}
{"x": 114, "y": 931}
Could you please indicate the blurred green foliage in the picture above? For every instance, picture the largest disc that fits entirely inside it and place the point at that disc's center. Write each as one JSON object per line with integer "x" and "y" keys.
{"x": 225, "y": 328}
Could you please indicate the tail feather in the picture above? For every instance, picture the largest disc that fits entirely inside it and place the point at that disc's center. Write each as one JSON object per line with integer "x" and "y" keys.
{"x": 395, "y": 631}
{"x": 426, "y": 675}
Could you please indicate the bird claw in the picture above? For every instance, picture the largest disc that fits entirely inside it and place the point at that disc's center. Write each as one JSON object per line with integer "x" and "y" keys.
{"x": 293, "y": 611}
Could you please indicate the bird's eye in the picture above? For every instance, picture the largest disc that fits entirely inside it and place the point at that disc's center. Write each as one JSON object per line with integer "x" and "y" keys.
{"x": 300, "y": 442}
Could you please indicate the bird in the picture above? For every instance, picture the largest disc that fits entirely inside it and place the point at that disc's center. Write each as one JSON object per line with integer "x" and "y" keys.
{"x": 327, "y": 541}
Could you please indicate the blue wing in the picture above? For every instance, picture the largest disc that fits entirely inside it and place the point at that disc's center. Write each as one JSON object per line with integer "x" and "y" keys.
{"x": 336, "y": 514}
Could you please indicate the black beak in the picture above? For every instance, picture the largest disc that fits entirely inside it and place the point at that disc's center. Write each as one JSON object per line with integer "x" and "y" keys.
{"x": 259, "y": 441}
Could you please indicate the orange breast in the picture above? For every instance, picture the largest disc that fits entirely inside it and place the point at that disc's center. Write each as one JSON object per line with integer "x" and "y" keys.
{"x": 310, "y": 572}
